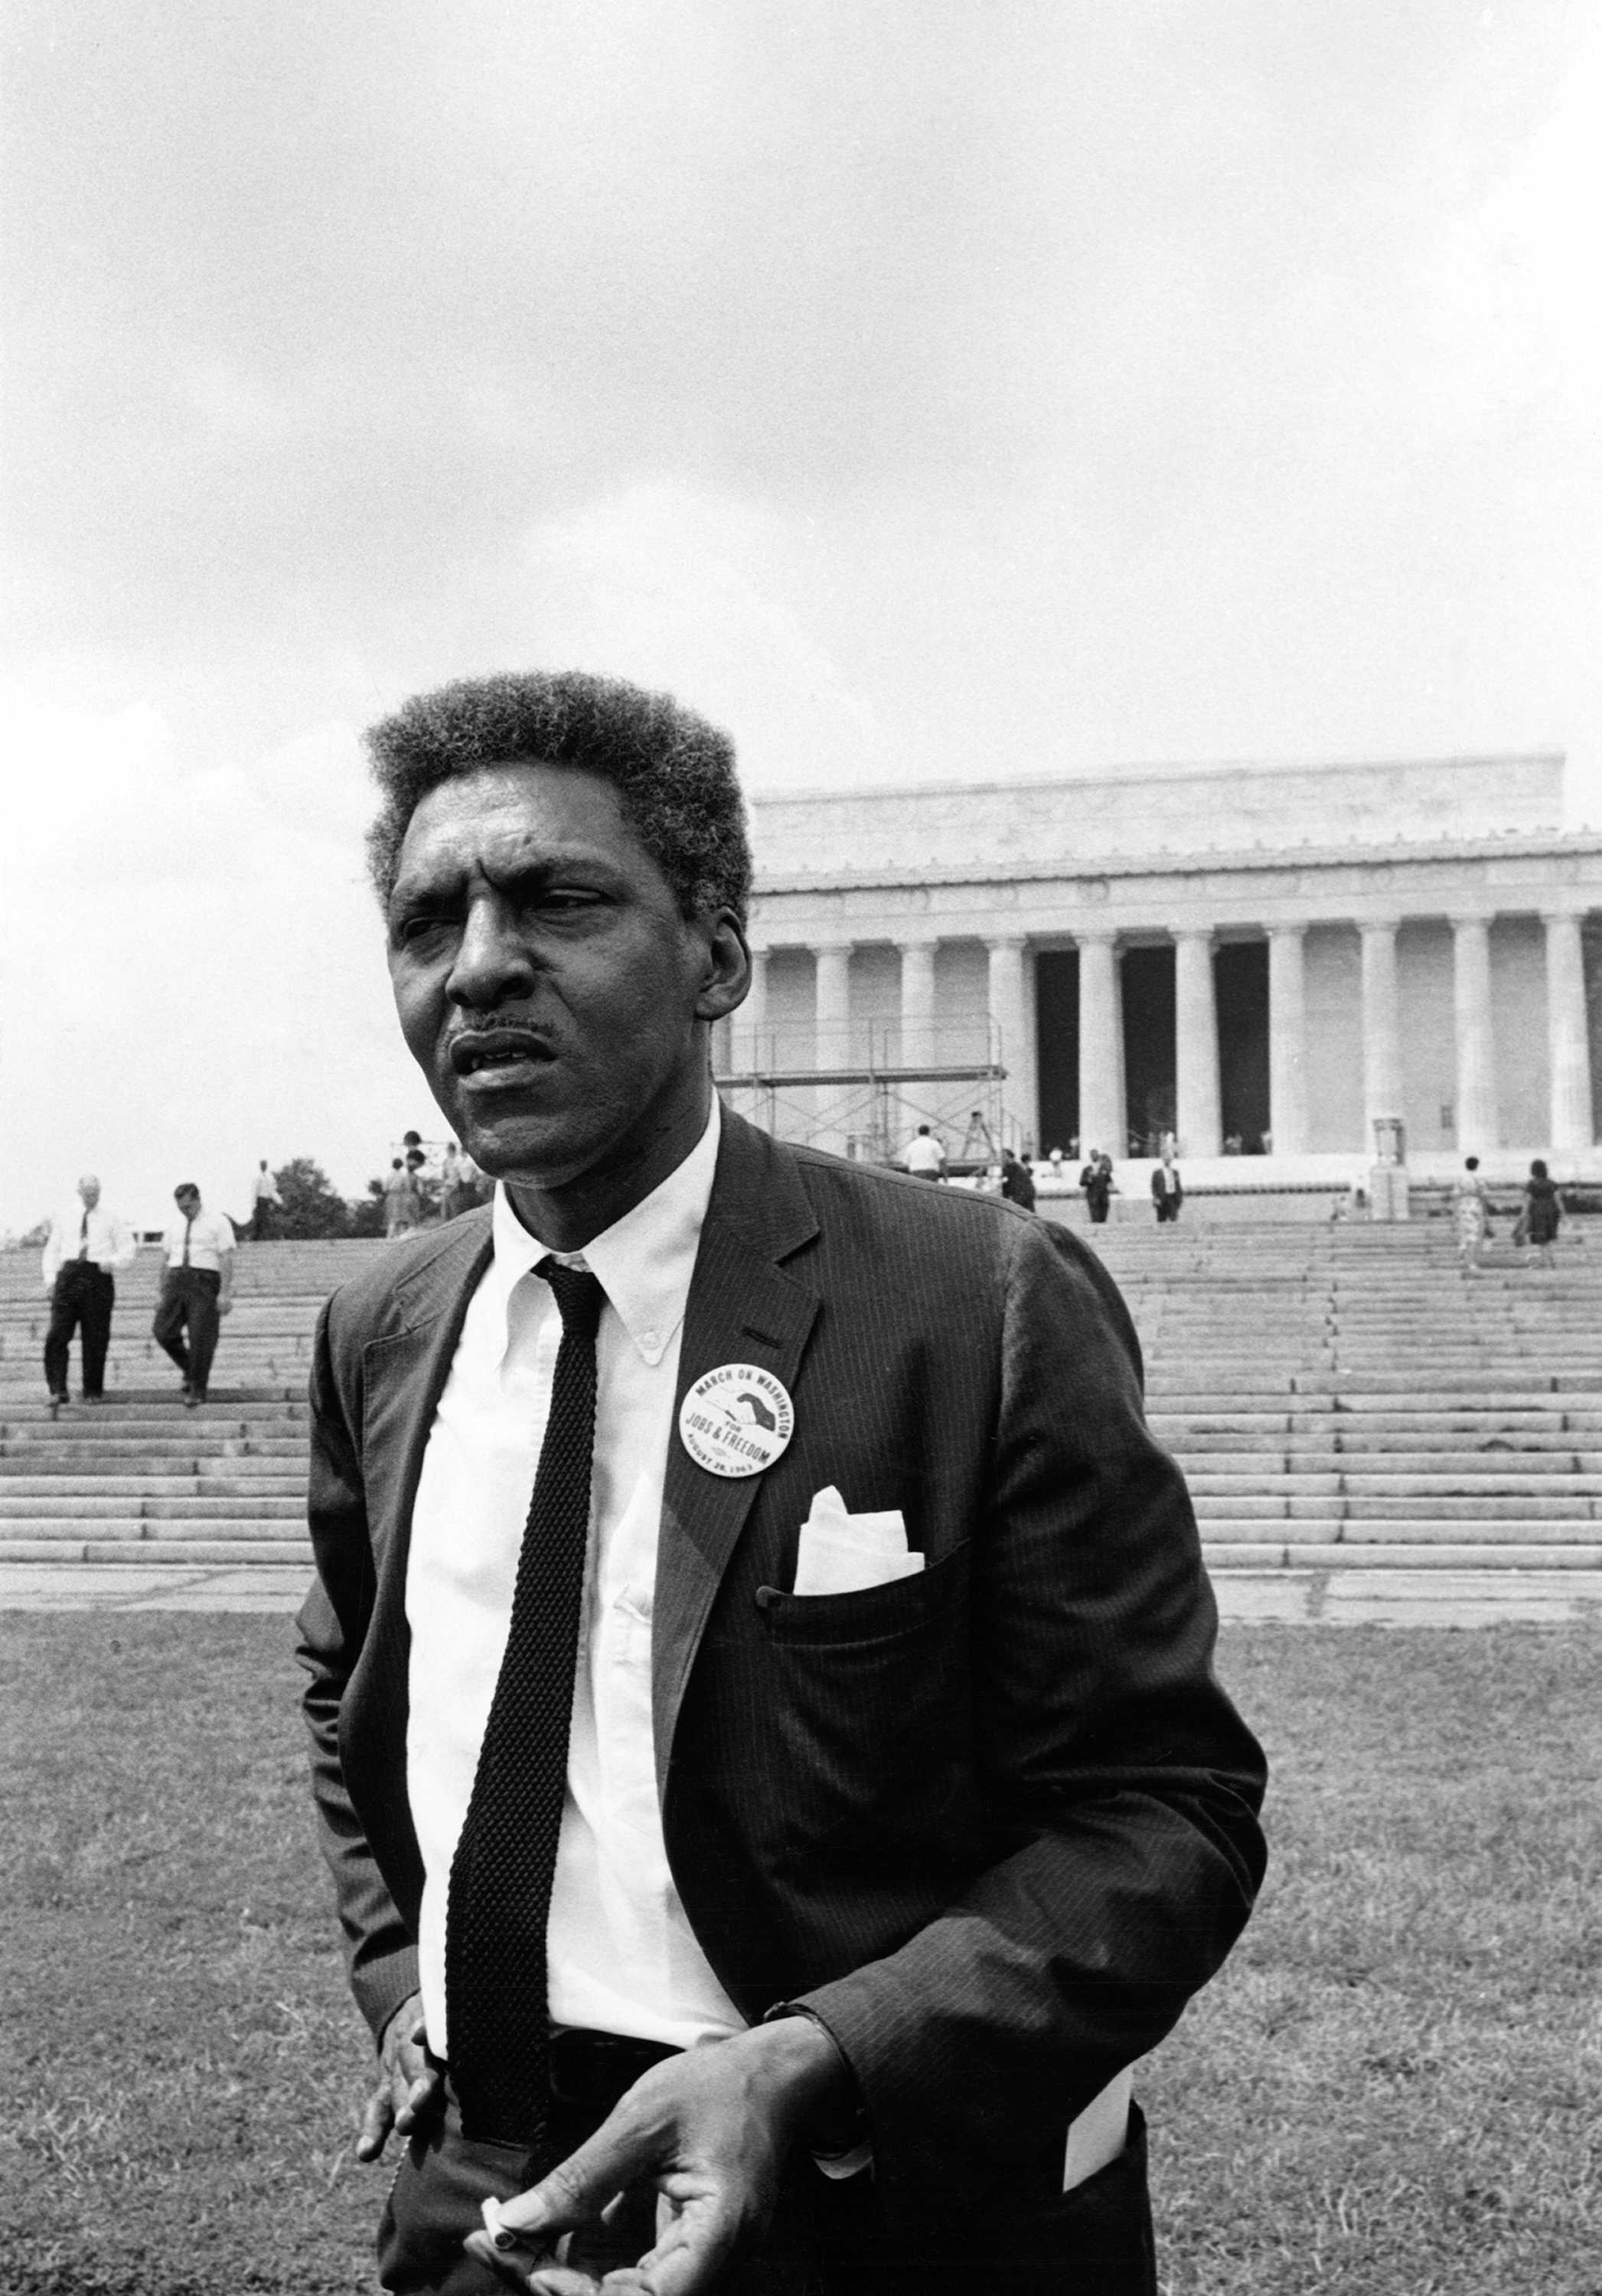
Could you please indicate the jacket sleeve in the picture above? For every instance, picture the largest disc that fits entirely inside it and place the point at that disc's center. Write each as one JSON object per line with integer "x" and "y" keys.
{"x": 380, "y": 1950}
{"x": 1120, "y": 1787}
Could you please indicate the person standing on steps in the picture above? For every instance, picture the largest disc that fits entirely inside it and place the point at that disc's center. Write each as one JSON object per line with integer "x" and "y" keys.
{"x": 197, "y": 1289}
{"x": 83, "y": 1250}
{"x": 265, "y": 1202}
{"x": 398, "y": 1196}
{"x": 1543, "y": 1212}
{"x": 924, "y": 1156}
{"x": 1017, "y": 1181}
{"x": 1168, "y": 1192}
{"x": 1098, "y": 1183}
{"x": 1471, "y": 1215}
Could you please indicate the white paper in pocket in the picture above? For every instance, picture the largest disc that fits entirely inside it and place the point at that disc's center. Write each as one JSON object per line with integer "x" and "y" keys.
{"x": 840, "y": 1552}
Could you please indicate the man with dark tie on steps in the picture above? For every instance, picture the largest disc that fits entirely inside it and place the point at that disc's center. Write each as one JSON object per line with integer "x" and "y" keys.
{"x": 197, "y": 1288}
{"x": 763, "y": 1723}
{"x": 84, "y": 1253}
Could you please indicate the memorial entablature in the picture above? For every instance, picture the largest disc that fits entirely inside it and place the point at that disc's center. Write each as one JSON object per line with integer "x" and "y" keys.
{"x": 1258, "y": 961}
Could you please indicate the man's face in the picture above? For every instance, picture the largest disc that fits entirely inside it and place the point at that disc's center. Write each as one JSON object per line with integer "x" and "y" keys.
{"x": 88, "y": 1188}
{"x": 547, "y": 984}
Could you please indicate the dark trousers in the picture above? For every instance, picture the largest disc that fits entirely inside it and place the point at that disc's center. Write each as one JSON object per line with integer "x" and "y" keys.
{"x": 261, "y": 1221}
{"x": 189, "y": 1298}
{"x": 82, "y": 1301}
{"x": 827, "y": 2238}
{"x": 1167, "y": 1209}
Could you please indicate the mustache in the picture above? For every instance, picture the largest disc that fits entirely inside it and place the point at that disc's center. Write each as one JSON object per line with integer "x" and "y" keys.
{"x": 468, "y": 1048}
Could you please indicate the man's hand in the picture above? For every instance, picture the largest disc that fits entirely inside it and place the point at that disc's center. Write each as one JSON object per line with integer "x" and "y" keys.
{"x": 710, "y": 2130}
{"x": 225, "y": 1307}
{"x": 409, "y": 2085}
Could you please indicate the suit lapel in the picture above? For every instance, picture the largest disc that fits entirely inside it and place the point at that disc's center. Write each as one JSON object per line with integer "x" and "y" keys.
{"x": 742, "y": 1309}
{"x": 405, "y": 1374}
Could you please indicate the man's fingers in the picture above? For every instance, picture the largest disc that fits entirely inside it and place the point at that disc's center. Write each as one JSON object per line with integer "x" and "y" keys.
{"x": 377, "y": 2122}
{"x": 690, "y": 2253}
{"x": 419, "y": 2098}
{"x": 530, "y": 2268}
{"x": 579, "y": 2189}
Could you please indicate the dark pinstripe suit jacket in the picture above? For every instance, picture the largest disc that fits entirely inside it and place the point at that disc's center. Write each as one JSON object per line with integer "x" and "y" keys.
{"x": 994, "y": 1821}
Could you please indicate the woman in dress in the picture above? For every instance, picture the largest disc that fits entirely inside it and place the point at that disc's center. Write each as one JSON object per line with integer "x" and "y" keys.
{"x": 1543, "y": 1209}
{"x": 1469, "y": 1210}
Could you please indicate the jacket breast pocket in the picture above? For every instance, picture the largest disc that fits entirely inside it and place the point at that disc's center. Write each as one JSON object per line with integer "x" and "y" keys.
{"x": 867, "y": 1719}
{"x": 869, "y": 1614}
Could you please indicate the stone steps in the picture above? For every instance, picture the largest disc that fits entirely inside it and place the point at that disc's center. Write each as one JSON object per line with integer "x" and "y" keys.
{"x": 1461, "y": 1508}
{"x": 241, "y": 1549}
{"x": 1336, "y": 1397}
{"x": 26, "y": 1516}
{"x": 1395, "y": 1553}
{"x": 16, "y": 1489}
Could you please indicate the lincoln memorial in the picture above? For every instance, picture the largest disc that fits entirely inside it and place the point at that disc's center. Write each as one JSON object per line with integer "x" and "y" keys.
{"x": 1260, "y": 961}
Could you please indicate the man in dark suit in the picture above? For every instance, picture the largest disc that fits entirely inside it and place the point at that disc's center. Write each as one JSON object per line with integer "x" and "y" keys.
{"x": 880, "y": 1806}
{"x": 1168, "y": 1190}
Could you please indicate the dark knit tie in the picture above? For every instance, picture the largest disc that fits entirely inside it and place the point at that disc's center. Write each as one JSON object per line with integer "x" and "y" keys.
{"x": 506, "y": 1861}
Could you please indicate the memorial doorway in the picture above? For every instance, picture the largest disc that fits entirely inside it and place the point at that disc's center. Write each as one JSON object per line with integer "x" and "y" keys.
{"x": 1148, "y": 1048}
{"x": 1057, "y": 1036}
{"x": 1240, "y": 974}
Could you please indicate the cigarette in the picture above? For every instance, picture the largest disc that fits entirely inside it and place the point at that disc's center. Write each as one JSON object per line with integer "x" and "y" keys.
{"x": 492, "y": 2213}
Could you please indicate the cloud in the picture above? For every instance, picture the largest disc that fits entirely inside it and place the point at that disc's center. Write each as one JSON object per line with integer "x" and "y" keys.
{"x": 925, "y": 393}
{"x": 707, "y": 598}
{"x": 192, "y": 965}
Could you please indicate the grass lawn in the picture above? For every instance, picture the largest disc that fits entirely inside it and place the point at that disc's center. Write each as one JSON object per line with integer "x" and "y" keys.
{"x": 1392, "y": 2091}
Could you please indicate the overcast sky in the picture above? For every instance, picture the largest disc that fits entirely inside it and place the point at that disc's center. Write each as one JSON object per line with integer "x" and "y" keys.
{"x": 1014, "y": 387}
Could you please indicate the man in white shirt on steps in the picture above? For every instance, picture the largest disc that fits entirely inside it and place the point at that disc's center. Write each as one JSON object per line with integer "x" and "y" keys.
{"x": 196, "y": 1290}
{"x": 84, "y": 1253}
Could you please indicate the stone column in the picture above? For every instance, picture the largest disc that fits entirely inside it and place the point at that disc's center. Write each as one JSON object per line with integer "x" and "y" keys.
{"x": 1101, "y": 1122}
{"x": 1476, "y": 1110}
{"x": 1382, "y": 1027}
{"x": 1195, "y": 1046}
{"x": 917, "y": 1003}
{"x": 1568, "y": 1038}
{"x": 833, "y": 1005}
{"x": 1009, "y": 1011}
{"x": 831, "y": 1044}
{"x": 752, "y": 1049}
{"x": 1287, "y": 1039}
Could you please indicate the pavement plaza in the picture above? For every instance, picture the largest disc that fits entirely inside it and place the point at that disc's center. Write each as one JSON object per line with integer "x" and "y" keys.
{"x": 1279, "y": 1597}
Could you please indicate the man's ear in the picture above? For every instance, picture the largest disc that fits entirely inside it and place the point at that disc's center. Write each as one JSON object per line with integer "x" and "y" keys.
{"x": 725, "y": 982}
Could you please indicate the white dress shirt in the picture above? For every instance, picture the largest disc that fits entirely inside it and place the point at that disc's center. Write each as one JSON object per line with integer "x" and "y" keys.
{"x": 922, "y": 1153}
{"x": 111, "y": 1240}
{"x": 210, "y": 1234}
{"x": 620, "y": 1954}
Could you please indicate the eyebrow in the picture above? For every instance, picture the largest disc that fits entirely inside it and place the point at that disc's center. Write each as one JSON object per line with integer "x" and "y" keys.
{"x": 446, "y": 875}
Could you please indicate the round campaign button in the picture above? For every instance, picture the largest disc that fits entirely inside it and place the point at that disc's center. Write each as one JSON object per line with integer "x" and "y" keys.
{"x": 736, "y": 1420}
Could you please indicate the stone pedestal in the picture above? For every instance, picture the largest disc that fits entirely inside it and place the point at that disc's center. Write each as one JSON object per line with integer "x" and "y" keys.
{"x": 1388, "y": 1192}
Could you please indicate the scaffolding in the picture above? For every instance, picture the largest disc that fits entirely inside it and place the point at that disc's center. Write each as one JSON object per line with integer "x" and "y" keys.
{"x": 860, "y": 1097}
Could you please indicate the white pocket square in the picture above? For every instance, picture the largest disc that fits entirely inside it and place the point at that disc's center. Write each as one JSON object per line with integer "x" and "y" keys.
{"x": 840, "y": 1552}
